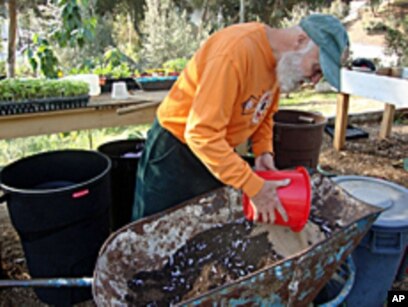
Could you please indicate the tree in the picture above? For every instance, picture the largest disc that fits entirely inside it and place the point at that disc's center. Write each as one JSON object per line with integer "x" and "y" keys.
{"x": 397, "y": 43}
{"x": 133, "y": 7}
{"x": 272, "y": 12}
{"x": 12, "y": 38}
{"x": 242, "y": 11}
{"x": 268, "y": 11}
{"x": 72, "y": 29}
{"x": 168, "y": 34}
{"x": 14, "y": 7}
{"x": 374, "y": 4}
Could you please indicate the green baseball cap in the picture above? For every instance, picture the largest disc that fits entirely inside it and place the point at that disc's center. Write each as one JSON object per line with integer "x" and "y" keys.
{"x": 329, "y": 34}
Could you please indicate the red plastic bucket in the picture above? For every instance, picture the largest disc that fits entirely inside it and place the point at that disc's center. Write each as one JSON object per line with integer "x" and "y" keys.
{"x": 295, "y": 198}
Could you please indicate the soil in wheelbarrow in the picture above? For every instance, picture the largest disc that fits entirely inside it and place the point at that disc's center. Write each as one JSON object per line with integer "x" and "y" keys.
{"x": 213, "y": 258}
{"x": 210, "y": 259}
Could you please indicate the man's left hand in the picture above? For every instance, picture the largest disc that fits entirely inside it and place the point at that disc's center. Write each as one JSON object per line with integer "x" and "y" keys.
{"x": 265, "y": 162}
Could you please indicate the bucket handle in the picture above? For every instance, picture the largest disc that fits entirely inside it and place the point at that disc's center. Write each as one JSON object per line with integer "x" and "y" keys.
{"x": 397, "y": 249}
{"x": 306, "y": 119}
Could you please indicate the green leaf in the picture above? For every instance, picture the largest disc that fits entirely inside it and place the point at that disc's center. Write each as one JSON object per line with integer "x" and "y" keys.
{"x": 34, "y": 64}
{"x": 35, "y": 38}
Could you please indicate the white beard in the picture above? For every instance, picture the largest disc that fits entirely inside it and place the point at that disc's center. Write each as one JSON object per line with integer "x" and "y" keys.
{"x": 289, "y": 71}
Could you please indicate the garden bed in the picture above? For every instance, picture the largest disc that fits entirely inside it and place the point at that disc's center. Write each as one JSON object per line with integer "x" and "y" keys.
{"x": 368, "y": 157}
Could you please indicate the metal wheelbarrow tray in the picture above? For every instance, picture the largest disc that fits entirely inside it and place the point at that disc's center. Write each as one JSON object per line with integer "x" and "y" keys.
{"x": 148, "y": 245}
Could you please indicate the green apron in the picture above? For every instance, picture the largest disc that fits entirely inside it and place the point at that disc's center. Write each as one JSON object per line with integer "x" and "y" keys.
{"x": 168, "y": 174}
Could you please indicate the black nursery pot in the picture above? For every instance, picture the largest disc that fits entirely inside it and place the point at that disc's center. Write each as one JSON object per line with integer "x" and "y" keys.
{"x": 108, "y": 84}
{"x": 59, "y": 204}
{"x": 125, "y": 156}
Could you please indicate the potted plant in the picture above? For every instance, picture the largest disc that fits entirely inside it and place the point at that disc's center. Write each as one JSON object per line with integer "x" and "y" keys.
{"x": 115, "y": 67}
{"x": 175, "y": 66}
{"x": 162, "y": 78}
{"x": 37, "y": 95}
{"x": 109, "y": 74}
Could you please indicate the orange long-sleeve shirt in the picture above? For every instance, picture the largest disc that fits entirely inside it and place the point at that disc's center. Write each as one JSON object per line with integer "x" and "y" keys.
{"x": 227, "y": 93}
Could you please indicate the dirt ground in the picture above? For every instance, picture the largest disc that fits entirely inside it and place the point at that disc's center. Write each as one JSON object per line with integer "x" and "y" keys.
{"x": 370, "y": 157}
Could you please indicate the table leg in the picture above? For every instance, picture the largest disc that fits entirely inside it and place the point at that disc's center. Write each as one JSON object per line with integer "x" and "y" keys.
{"x": 341, "y": 121}
{"x": 388, "y": 118}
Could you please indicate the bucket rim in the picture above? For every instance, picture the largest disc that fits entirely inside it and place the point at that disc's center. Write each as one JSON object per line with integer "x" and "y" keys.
{"x": 102, "y": 147}
{"x": 13, "y": 190}
{"x": 121, "y": 142}
{"x": 323, "y": 118}
{"x": 302, "y": 170}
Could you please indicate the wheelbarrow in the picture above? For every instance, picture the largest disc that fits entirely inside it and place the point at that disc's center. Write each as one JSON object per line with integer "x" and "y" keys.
{"x": 148, "y": 247}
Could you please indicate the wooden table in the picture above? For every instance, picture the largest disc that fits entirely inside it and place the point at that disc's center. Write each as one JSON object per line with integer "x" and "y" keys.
{"x": 390, "y": 90}
{"x": 101, "y": 112}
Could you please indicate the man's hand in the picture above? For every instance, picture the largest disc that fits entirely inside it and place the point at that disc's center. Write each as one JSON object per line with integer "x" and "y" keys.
{"x": 265, "y": 162}
{"x": 266, "y": 201}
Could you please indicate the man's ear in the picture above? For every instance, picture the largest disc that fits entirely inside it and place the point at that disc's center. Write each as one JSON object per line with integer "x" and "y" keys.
{"x": 302, "y": 39}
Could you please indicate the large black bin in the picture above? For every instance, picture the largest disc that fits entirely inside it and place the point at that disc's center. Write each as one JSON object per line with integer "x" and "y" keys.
{"x": 59, "y": 204}
{"x": 125, "y": 156}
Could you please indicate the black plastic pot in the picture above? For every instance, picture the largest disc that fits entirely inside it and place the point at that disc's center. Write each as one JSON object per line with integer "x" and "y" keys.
{"x": 125, "y": 156}
{"x": 297, "y": 138}
{"x": 107, "y": 85}
{"x": 59, "y": 204}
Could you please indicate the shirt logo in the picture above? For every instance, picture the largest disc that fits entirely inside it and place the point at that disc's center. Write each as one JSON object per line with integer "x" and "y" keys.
{"x": 262, "y": 107}
{"x": 247, "y": 106}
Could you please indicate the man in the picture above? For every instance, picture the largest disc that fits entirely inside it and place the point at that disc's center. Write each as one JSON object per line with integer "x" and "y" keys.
{"x": 228, "y": 93}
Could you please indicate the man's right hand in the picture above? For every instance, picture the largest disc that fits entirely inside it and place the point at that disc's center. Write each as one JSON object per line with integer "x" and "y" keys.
{"x": 266, "y": 201}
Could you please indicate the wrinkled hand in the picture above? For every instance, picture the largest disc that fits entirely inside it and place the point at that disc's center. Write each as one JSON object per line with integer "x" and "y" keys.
{"x": 267, "y": 201}
{"x": 265, "y": 162}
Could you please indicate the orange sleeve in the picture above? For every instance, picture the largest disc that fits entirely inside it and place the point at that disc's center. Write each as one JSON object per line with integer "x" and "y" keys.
{"x": 262, "y": 137}
{"x": 205, "y": 134}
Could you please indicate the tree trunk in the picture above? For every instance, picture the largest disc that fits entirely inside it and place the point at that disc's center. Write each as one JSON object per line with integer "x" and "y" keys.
{"x": 12, "y": 38}
{"x": 203, "y": 19}
{"x": 242, "y": 11}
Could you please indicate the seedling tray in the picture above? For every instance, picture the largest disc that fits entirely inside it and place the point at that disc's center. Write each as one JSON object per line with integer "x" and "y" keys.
{"x": 352, "y": 132}
{"x": 156, "y": 83}
{"x": 43, "y": 105}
